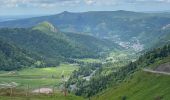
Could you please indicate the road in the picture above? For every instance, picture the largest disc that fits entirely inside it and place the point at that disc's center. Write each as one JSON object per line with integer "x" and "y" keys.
{"x": 156, "y": 72}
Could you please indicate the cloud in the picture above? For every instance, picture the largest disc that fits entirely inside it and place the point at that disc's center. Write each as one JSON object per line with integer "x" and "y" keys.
{"x": 54, "y": 3}
{"x": 89, "y": 2}
{"x": 36, "y": 3}
{"x": 146, "y": 1}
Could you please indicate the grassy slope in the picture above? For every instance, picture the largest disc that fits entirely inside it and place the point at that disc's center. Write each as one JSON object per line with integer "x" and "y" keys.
{"x": 36, "y": 77}
{"x": 141, "y": 86}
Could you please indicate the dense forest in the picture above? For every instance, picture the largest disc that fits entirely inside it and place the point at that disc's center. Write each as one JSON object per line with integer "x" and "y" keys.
{"x": 14, "y": 58}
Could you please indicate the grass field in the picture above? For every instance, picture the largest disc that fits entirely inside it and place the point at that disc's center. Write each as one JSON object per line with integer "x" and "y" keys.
{"x": 141, "y": 86}
{"x": 37, "y": 77}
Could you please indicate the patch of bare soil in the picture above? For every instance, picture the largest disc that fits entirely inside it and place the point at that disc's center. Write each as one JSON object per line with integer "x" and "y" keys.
{"x": 163, "y": 68}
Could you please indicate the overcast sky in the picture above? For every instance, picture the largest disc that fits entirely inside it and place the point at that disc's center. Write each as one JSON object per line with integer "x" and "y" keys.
{"x": 36, "y": 7}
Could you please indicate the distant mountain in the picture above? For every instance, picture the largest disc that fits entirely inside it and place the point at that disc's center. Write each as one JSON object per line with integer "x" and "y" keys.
{"x": 15, "y": 17}
{"x": 118, "y": 26}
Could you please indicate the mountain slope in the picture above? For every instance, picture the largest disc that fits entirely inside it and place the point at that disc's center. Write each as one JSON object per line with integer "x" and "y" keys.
{"x": 137, "y": 84}
{"x": 54, "y": 46}
{"x": 141, "y": 86}
{"x": 93, "y": 43}
{"x": 43, "y": 44}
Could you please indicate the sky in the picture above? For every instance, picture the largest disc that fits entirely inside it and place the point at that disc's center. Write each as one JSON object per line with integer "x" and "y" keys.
{"x": 45, "y": 7}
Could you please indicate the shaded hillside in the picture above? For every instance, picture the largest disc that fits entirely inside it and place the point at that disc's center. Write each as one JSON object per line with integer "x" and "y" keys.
{"x": 93, "y": 43}
{"x": 14, "y": 58}
{"x": 43, "y": 44}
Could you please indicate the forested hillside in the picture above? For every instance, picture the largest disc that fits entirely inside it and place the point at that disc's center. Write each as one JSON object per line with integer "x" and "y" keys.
{"x": 54, "y": 46}
{"x": 14, "y": 58}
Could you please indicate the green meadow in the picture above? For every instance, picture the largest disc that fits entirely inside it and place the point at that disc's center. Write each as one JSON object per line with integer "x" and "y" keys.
{"x": 38, "y": 77}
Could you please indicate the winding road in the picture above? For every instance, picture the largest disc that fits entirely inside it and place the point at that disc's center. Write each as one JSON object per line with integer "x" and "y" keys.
{"x": 156, "y": 72}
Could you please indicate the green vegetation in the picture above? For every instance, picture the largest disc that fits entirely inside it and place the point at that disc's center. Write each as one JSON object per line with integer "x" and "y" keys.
{"x": 57, "y": 96}
{"x": 13, "y": 58}
{"x": 50, "y": 48}
{"x": 98, "y": 57}
{"x": 38, "y": 77}
{"x": 100, "y": 46}
{"x": 139, "y": 86}
{"x": 105, "y": 78}
{"x": 94, "y": 77}
{"x": 154, "y": 56}
{"x": 45, "y": 27}
{"x": 53, "y": 47}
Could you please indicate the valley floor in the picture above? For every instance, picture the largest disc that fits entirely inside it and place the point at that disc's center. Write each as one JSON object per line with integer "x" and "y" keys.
{"x": 30, "y": 80}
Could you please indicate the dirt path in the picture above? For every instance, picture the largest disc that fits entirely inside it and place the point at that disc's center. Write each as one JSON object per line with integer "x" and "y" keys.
{"x": 156, "y": 72}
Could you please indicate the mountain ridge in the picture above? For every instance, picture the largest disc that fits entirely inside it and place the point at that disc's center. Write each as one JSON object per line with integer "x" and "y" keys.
{"x": 118, "y": 26}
